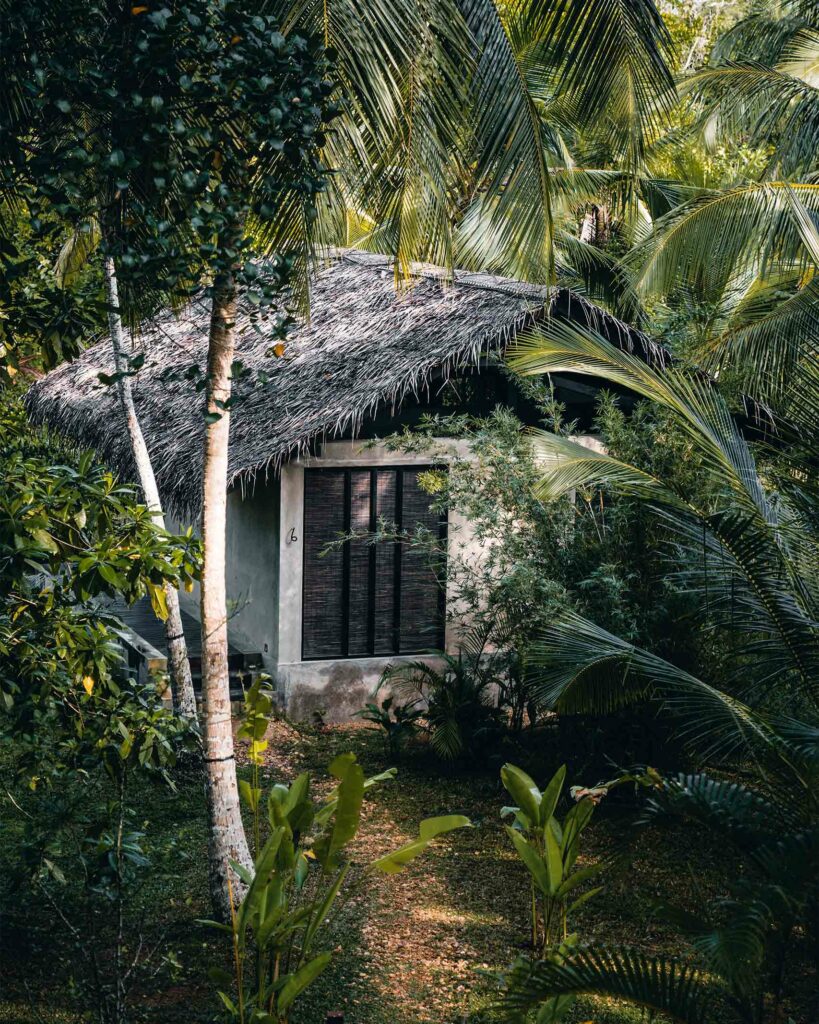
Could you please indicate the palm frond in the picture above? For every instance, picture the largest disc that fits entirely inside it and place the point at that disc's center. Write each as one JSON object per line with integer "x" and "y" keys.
{"x": 739, "y": 512}
{"x": 769, "y": 332}
{"x": 741, "y": 814}
{"x": 660, "y": 984}
{"x": 508, "y": 226}
{"x": 734, "y": 949}
{"x": 568, "y": 465}
{"x": 765, "y": 34}
{"x": 564, "y": 347}
{"x": 614, "y": 62}
{"x": 760, "y": 102}
{"x": 583, "y": 669}
{"x": 593, "y": 272}
{"x": 710, "y": 239}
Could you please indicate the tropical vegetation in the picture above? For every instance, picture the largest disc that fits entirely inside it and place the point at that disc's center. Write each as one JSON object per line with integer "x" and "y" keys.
{"x": 638, "y": 655}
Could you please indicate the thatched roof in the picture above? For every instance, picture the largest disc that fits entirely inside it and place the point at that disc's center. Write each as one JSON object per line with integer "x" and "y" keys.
{"x": 364, "y": 345}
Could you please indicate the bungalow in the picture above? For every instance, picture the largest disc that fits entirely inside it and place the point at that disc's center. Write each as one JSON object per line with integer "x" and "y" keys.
{"x": 305, "y": 465}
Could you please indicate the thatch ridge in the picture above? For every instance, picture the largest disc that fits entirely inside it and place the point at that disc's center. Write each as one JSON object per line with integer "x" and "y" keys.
{"x": 365, "y": 345}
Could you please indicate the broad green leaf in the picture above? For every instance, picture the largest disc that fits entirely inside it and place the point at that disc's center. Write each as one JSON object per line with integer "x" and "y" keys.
{"x": 583, "y": 875}
{"x": 385, "y": 776}
{"x": 432, "y": 827}
{"x": 392, "y": 863}
{"x": 548, "y": 802}
{"x": 45, "y": 541}
{"x": 554, "y": 1009}
{"x": 322, "y": 908}
{"x": 582, "y": 899}
{"x": 573, "y": 824}
{"x": 554, "y": 861}
{"x": 324, "y": 813}
{"x": 228, "y": 1003}
{"x": 158, "y": 601}
{"x": 521, "y": 819}
{"x": 243, "y": 873}
{"x": 350, "y": 794}
{"x": 265, "y": 864}
{"x": 523, "y": 789}
{"x": 298, "y": 982}
{"x": 532, "y": 859}
{"x": 250, "y": 794}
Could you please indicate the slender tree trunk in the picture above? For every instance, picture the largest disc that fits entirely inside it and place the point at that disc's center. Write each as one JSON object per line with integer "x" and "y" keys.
{"x": 181, "y": 682}
{"x": 227, "y": 835}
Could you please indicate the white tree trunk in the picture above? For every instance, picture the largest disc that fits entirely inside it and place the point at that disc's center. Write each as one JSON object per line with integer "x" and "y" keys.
{"x": 226, "y": 837}
{"x": 180, "y": 670}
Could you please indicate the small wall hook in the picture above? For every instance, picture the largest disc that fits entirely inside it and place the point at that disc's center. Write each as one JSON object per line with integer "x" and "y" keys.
{"x": 291, "y": 537}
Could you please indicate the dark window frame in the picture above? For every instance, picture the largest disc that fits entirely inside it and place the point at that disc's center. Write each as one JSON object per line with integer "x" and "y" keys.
{"x": 443, "y": 526}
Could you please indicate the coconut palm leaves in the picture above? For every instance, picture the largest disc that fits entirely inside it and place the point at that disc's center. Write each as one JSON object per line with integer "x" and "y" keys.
{"x": 764, "y": 89}
{"x": 658, "y": 983}
{"x": 454, "y": 107}
{"x": 401, "y": 70}
{"x": 750, "y": 252}
{"x": 719, "y": 234}
{"x": 546, "y": 72}
{"x": 584, "y": 669}
{"x": 749, "y": 556}
{"x": 740, "y": 942}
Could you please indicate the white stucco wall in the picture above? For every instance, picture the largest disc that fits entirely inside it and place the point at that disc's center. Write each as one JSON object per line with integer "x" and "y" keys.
{"x": 252, "y": 557}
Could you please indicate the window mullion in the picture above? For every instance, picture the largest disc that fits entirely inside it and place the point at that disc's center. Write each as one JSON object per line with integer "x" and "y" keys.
{"x": 371, "y": 565}
{"x": 345, "y": 576}
{"x": 396, "y": 593}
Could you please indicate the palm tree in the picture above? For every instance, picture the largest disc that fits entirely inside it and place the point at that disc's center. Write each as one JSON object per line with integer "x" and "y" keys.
{"x": 749, "y": 549}
{"x": 749, "y": 251}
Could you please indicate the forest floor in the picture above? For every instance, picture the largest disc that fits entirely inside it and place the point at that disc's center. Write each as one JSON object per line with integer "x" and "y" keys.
{"x": 410, "y": 949}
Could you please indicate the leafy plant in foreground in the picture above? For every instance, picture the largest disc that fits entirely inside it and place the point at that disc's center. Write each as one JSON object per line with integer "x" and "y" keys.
{"x": 301, "y": 880}
{"x": 742, "y": 943}
{"x": 549, "y": 849}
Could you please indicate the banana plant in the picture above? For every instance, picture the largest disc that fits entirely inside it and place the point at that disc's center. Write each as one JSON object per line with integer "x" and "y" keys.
{"x": 549, "y": 849}
{"x": 740, "y": 965}
{"x": 302, "y": 879}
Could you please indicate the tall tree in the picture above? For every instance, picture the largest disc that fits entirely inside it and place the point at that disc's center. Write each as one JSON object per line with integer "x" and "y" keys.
{"x": 181, "y": 680}
{"x": 81, "y": 153}
{"x": 266, "y": 100}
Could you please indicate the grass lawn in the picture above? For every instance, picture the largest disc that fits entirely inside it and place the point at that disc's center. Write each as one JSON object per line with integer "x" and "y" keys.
{"x": 407, "y": 948}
